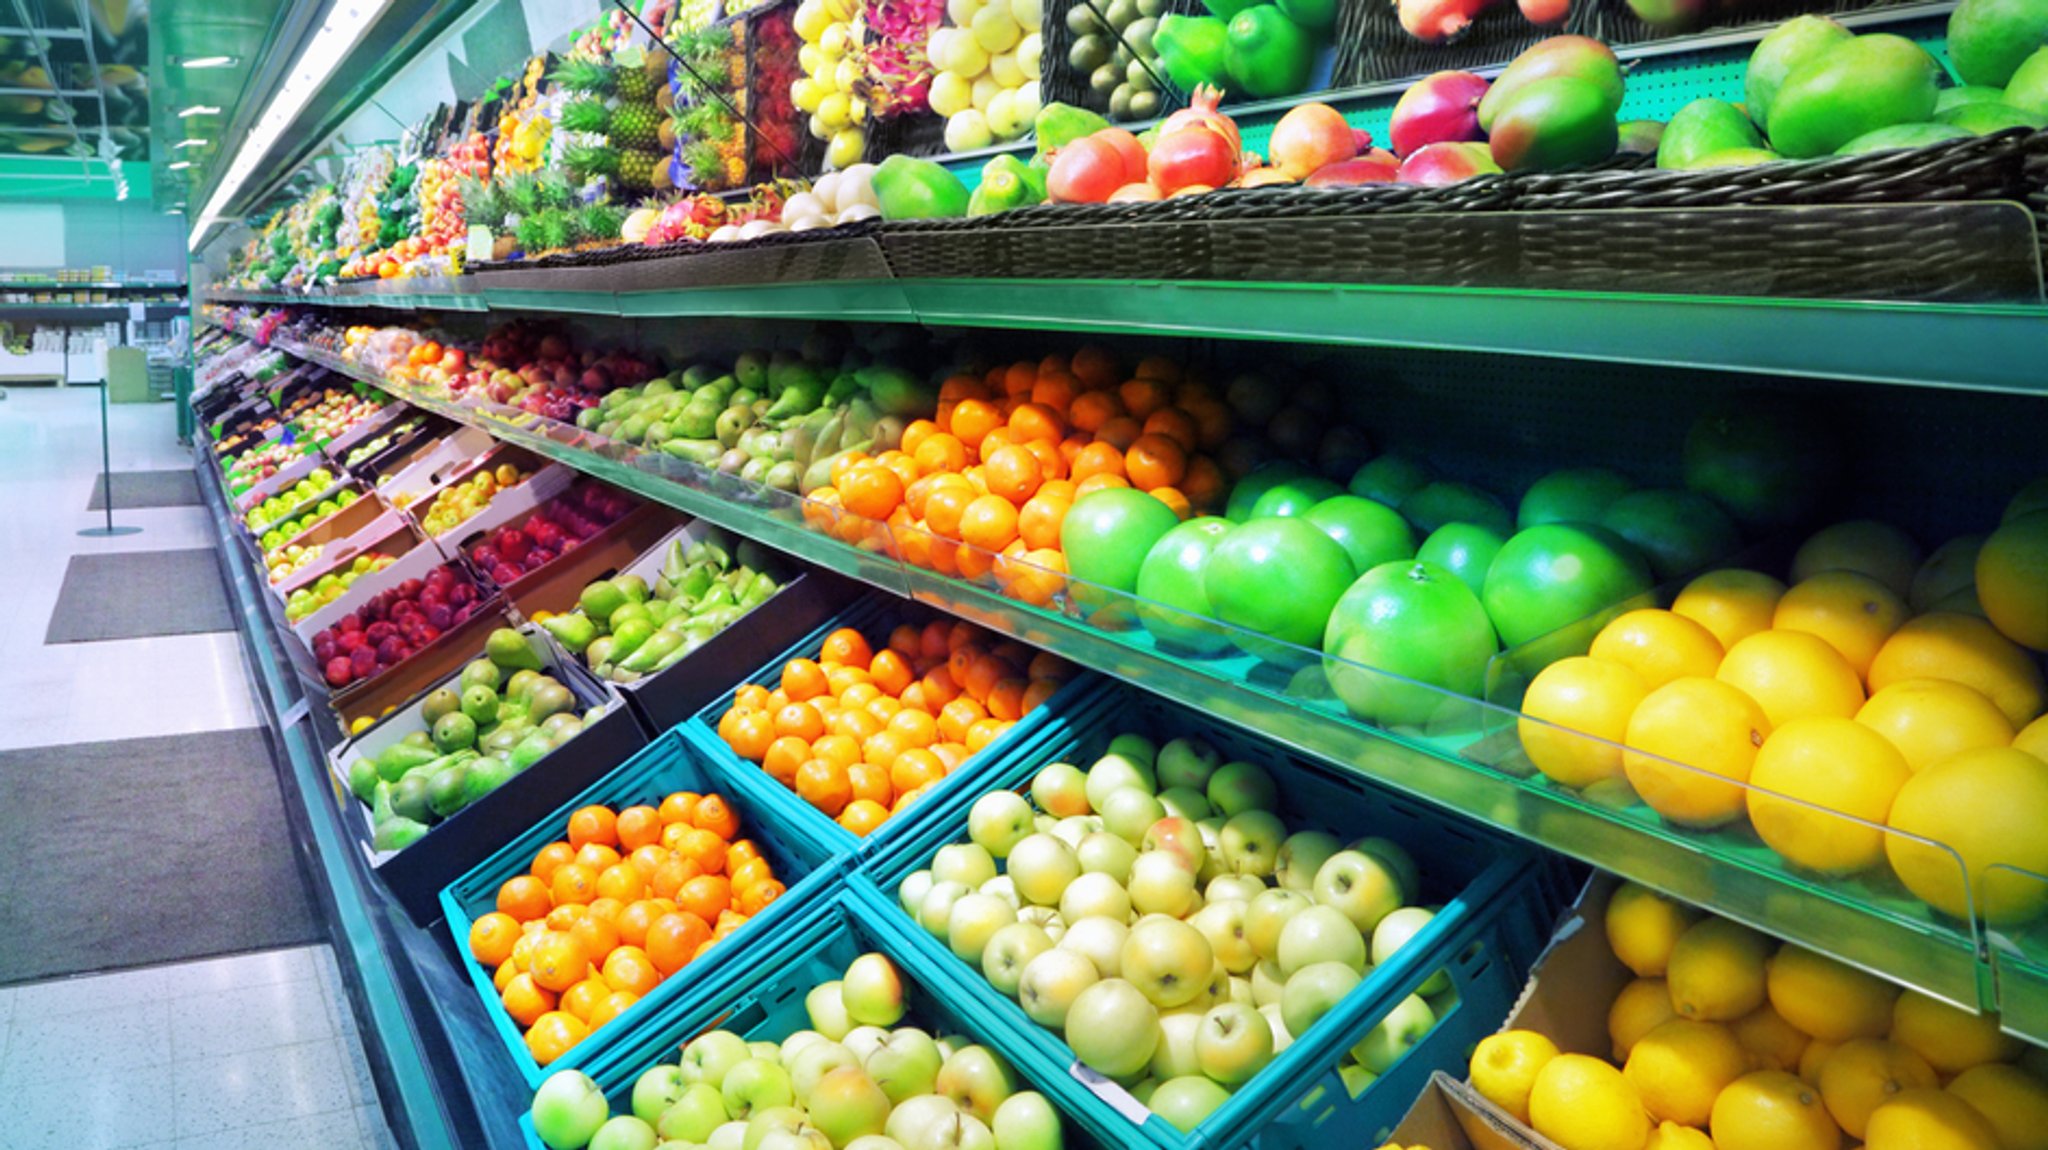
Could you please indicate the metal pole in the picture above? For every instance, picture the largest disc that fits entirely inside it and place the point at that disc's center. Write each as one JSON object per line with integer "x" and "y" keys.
{"x": 107, "y": 473}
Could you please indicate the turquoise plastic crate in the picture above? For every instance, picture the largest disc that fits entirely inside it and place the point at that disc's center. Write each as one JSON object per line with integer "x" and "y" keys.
{"x": 767, "y": 1003}
{"x": 809, "y": 868}
{"x": 1496, "y": 906}
{"x": 875, "y": 616}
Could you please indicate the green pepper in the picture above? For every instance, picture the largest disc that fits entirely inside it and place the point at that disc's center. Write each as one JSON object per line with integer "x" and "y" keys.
{"x": 1007, "y": 182}
{"x": 1268, "y": 55}
{"x": 907, "y": 188}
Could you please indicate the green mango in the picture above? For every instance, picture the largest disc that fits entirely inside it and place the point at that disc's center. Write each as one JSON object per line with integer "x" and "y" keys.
{"x": 363, "y": 778}
{"x": 573, "y": 631}
{"x": 1058, "y": 125}
{"x": 444, "y": 789}
{"x": 1578, "y": 57}
{"x": 1734, "y": 158}
{"x": 509, "y": 649}
{"x": 1552, "y": 123}
{"x": 1640, "y": 137}
{"x": 1267, "y": 54}
{"x": 2029, "y": 88}
{"x": 480, "y": 672}
{"x": 438, "y": 703}
{"x": 1949, "y": 98}
{"x": 1989, "y": 39}
{"x": 1194, "y": 50}
{"x": 530, "y": 750}
{"x": 1854, "y": 87}
{"x": 1778, "y": 54}
{"x": 908, "y": 188}
{"x": 1984, "y": 119}
{"x": 480, "y": 703}
{"x": 397, "y": 833}
{"x": 454, "y": 732}
{"x": 1901, "y": 136}
{"x": 1702, "y": 128}
{"x": 485, "y": 775}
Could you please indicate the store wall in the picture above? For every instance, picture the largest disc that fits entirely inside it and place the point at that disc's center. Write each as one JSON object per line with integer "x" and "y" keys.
{"x": 130, "y": 238}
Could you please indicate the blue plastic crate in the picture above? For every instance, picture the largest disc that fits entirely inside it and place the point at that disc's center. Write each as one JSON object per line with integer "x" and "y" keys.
{"x": 810, "y": 869}
{"x": 874, "y": 616}
{"x": 1487, "y": 884}
{"x": 766, "y": 1003}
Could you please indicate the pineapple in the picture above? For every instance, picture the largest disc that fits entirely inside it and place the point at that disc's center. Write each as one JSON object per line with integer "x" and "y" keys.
{"x": 639, "y": 170}
{"x": 599, "y": 223}
{"x": 638, "y": 79}
{"x": 589, "y": 161}
{"x": 585, "y": 76}
{"x": 556, "y": 192}
{"x": 521, "y": 195}
{"x": 635, "y": 126}
{"x": 587, "y": 115}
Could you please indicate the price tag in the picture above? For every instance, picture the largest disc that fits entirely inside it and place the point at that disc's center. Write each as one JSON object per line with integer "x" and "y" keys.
{"x": 1118, "y": 1098}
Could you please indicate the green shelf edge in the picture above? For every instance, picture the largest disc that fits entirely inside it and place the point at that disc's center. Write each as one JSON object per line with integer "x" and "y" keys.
{"x": 1941, "y": 963}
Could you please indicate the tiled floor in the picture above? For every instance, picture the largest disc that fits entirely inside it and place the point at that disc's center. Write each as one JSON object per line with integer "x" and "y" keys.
{"x": 256, "y": 1050}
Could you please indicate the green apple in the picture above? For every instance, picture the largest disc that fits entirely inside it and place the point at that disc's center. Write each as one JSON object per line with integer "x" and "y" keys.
{"x": 1187, "y": 1101}
{"x": 1162, "y": 884}
{"x": 1113, "y": 1027}
{"x": 1395, "y": 931}
{"x": 1005, "y": 888}
{"x": 846, "y": 1104}
{"x": 873, "y": 1142}
{"x": 1268, "y": 984}
{"x": 1112, "y": 773}
{"x": 656, "y": 1090}
{"x": 1175, "y": 1054}
{"x": 1222, "y": 924}
{"x": 1128, "y": 812}
{"x": 977, "y": 1080}
{"x": 757, "y": 1084}
{"x": 1186, "y": 762}
{"x": 934, "y": 911}
{"x": 1096, "y": 895}
{"x": 1233, "y": 1043}
{"x": 1359, "y": 884}
{"x": 1267, "y": 914}
{"x": 1061, "y": 790}
{"x": 1137, "y": 748}
{"x": 1008, "y": 951}
{"x": 1178, "y": 836}
{"x": 1051, "y": 982}
{"x": 1041, "y": 866}
{"x": 973, "y": 921}
{"x": 1397, "y": 860}
{"x": 1251, "y": 843}
{"x": 825, "y": 1005}
{"x": 1103, "y": 853}
{"x": 1320, "y": 934}
{"x": 1403, "y": 1027}
{"x": 1301, "y": 856}
{"x": 873, "y": 991}
{"x": 1168, "y": 960}
{"x": 968, "y": 863}
{"x": 813, "y": 1063}
{"x": 625, "y": 1132}
{"x": 863, "y": 1041}
{"x": 1101, "y": 940}
{"x": 568, "y": 1109}
{"x": 695, "y": 1113}
{"x": 1188, "y": 802}
{"x": 998, "y": 821}
{"x": 767, "y": 1123}
{"x": 1313, "y": 992}
{"x": 1281, "y": 1038}
{"x": 905, "y": 1065}
{"x": 1026, "y": 1121}
{"x": 1239, "y": 787}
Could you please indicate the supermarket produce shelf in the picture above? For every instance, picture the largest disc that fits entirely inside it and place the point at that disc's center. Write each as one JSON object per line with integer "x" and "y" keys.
{"x": 1895, "y": 938}
{"x": 1912, "y": 344}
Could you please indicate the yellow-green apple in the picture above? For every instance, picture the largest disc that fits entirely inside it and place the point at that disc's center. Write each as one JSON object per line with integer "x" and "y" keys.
{"x": 1302, "y": 855}
{"x": 756, "y": 1084}
{"x": 999, "y": 820}
{"x": 812, "y": 1064}
{"x": 1267, "y": 914}
{"x": 1095, "y": 896}
{"x": 1361, "y": 886}
{"x": 1178, "y": 837}
{"x": 1113, "y": 1027}
{"x": 805, "y": 1137}
{"x": 974, "y": 920}
{"x": 977, "y": 1080}
{"x": 911, "y": 891}
{"x": 1005, "y": 888}
{"x": 625, "y": 1132}
{"x": 1051, "y": 982}
{"x": 772, "y": 1120}
{"x": 796, "y": 1042}
{"x": 966, "y": 863}
{"x": 1072, "y": 829}
{"x": 1100, "y": 940}
{"x": 764, "y": 1049}
{"x": 568, "y": 1109}
{"x": 1129, "y": 813}
{"x": 1251, "y": 843}
{"x": 1395, "y": 1035}
{"x": 861, "y": 1040}
{"x": 1104, "y": 853}
{"x": 1041, "y": 866}
{"x": 1045, "y": 918}
{"x": 1060, "y": 790}
{"x": 1168, "y": 960}
{"x": 1009, "y": 951}
{"x": 1240, "y": 991}
{"x": 731, "y": 1136}
{"x": 1233, "y": 1043}
{"x": 1187, "y": 1101}
{"x": 709, "y": 1057}
{"x": 1136, "y": 748}
{"x": 1142, "y": 1090}
{"x": 692, "y": 1117}
{"x": 1397, "y": 861}
{"x": 1175, "y": 1054}
{"x": 873, "y": 991}
{"x": 1186, "y": 802}
{"x": 936, "y": 908}
{"x": 1239, "y": 787}
{"x": 913, "y": 1115}
{"x": 846, "y": 1104}
{"x": 905, "y": 1065}
{"x": 1281, "y": 1038}
{"x": 873, "y": 1142}
{"x": 1186, "y": 762}
{"x": 1161, "y": 884}
{"x": 1026, "y": 1121}
{"x": 1226, "y": 887}
{"x": 1313, "y": 992}
{"x": 1112, "y": 773}
{"x": 1394, "y": 932}
{"x": 826, "y": 1006}
{"x": 1222, "y": 923}
{"x": 1320, "y": 934}
{"x": 656, "y": 1090}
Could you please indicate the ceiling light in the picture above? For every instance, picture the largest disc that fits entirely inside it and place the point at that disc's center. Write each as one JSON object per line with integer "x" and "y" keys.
{"x": 208, "y": 62}
{"x": 191, "y": 143}
{"x": 344, "y": 27}
{"x": 198, "y": 110}
{"x": 180, "y": 166}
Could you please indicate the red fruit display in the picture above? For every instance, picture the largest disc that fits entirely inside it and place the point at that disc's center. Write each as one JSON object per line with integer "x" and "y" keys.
{"x": 394, "y": 625}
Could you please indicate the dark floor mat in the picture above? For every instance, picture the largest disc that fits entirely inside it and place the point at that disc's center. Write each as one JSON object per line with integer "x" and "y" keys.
{"x": 144, "y": 851}
{"x": 135, "y": 594}
{"x": 137, "y": 489}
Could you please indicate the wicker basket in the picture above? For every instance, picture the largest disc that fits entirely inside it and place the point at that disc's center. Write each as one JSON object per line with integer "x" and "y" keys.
{"x": 847, "y": 252}
{"x": 1059, "y": 82}
{"x": 1611, "y": 22}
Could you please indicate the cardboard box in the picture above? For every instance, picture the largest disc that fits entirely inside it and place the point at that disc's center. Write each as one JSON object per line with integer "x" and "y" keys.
{"x": 367, "y": 517}
{"x": 416, "y": 556}
{"x": 543, "y": 482}
{"x": 556, "y": 587}
{"x": 1451, "y": 1116}
{"x": 429, "y": 469}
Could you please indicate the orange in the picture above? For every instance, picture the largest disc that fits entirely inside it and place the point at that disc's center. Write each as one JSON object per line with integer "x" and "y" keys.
{"x": 972, "y": 420}
{"x": 985, "y": 732}
{"x": 1930, "y": 720}
{"x": 916, "y": 432}
{"x": 597, "y": 857}
{"x": 1659, "y": 646}
{"x": 704, "y": 896}
{"x": 943, "y": 452}
{"x": 757, "y": 897}
{"x": 1055, "y": 389}
{"x": 597, "y": 936}
{"x": 803, "y": 680}
{"x": 503, "y": 976}
{"x": 939, "y": 687}
{"x": 784, "y": 756}
{"x": 1035, "y": 421}
{"x": 840, "y": 749}
{"x": 860, "y": 723}
{"x": 957, "y": 716}
{"x": 824, "y": 786}
{"x": 864, "y": 781}
{"x": 1038, "y": 523}
{"x": 1155, "y": 461}
{"x": 1203, "y": 484}
{"x": 1577, "y": 712}
{"x": 891, "y": 672}
{"x": 1019, "y": 377}
{"x": 1013, "y": 473}
{"x": 902, "y": 464}
{"x": 629, "y": 969}
{"x": 649, "y": 859}
{"x": 1793, "y": 675}
{"x": 1006, "y": 700}
{"x": 915, "y": 727}
{"x": 605, "y": 908}
{"x": 1096, "y": 367}
{"x": 1099, "y": 481}
{"x": 1814, "y": 770}
{"x": 1987, "y": 807}
{"x": 553, "y": 1034}
{"x": 1732, "y": 603}
{"x": 1176, "y": 424}
{"x": 716, "y": 815}
{"x": 846, "y": 647}
{"x": 491, "y": 938}
{"x": 1683, "y": 739}
{"x": 613, "y": 1005}
{"x": 2012, "y": 572}
{"x": 525, "y": 898}
{"x": 913, "y": 769}
{"x": 673, "y": 940}
{"x": 749, "y": 871}
{"x": 1851, "y": 611}
{"x": 1142, "y": 397}
{"x": 1962, "y": 649}
{"x": 578, "y": 999}
{"x": 752, "y": 735}
{"x": 550, "y": 857}
{"x": 800, "y": 721}
{"x": 989, "y": 523}
{"x": 863, "y": 815}
{"x": 1046, "y": 665}
{"x": 636, "y": 919}
{"x": 1093, "y": 409}
{"x": 622, "y": 881}
{"x": 871, "y": 490}
{"x": 959, "y": 387}
{"x": 593, "y": 825}
{"x": 946, "y": 506}
{"x": 1120, "y": 433}
{"x": 882, "y": 747}
{"x": 703, "y": 848}
{"x": 673, "y": 874}
{"x": 1038, "y": 692}
{"x": 573, "y": 883}
{"x": 842, "y": 679}
{"x": 565, "y": 916}
{"x": 638, "y": 827}
{"x": 844, "y": 464}
{"x": 526, "y": 1002}
{"x": 558, "y": 962}
{"x": 961, "y": 660}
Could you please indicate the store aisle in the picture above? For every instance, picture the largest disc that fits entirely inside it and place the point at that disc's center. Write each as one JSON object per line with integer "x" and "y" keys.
{"x": 255, "y": 1049}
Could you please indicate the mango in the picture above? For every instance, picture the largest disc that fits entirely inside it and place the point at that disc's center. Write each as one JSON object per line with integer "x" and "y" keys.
{"x": 1555, "y": 122}
{"x": 1786, "y": 47}
{"x": 1984, "y": 119}
{"x": 1703, "y": 128}
{"x": 1735, "y": 158}
{"x": 1901, "y": 136}
{"x": 1641, "y": 137}
{"x": 1967, "y": 94}
{"x": 1578, "y": 57}
{"x": 2028, "y": 90}
{"x": 1989, "y": 39}
{"x": 1862, "y": 85}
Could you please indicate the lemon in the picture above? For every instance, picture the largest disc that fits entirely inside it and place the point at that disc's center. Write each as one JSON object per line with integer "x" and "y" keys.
{"x": 1814, "y": 770}
{"x": 1771, "y": 1110}
{"x": 1929, "y": 1119}
{"x": 1951, "y": 568}
{"x": 1848, "y": 610}
{"x": 1987, "y": 806}
{"x": 1505, "y": 1066}
{"x": 2033, "y": 738}
{"x": 2012, "y": 1100}
{"x": 2012, "y": 579}
{"x": 1950, "y": 1039}
{"x": 1643, "y": 926}
{"x": 1679, "y": 1069}
{"x": 1864, "y": 1074}
{"x": 1732, "y": 603}
{"x": 1876, "y": 549}
{"x": 1581, "y": 696}
{"x": 1962, "y": 649}
{"x": 1684, "y": 739}
{"x": 1929, "y": 720}
{"x": 1672, "y": 1136}
{"x": 1582, "y": 1103}
{"x": 1772, "y": 1042}
{"x": 1658, "y": 645}
{"x": 1812, "y": 1059}
{"x": 1827, "y": 999}
{"x": 1642, "y": 1006}
{"x": 1717, "y": 971}
{"x": 1792, "y": 675}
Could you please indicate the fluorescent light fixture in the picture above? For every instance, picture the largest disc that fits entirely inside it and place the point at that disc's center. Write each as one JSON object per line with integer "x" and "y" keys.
{"x": 191, "y": 143}
{"x": 344, "y": 27}
{"x": 180, "y": 166}
{"x": 208, "y": 62}
{"x": 198, "y": 110}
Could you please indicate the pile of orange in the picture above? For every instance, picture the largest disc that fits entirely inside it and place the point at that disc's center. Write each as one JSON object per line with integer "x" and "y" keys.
{"x": 860, "y": 734}
{"x": 630, "y": 898}
{"x": 981, "y": 488}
